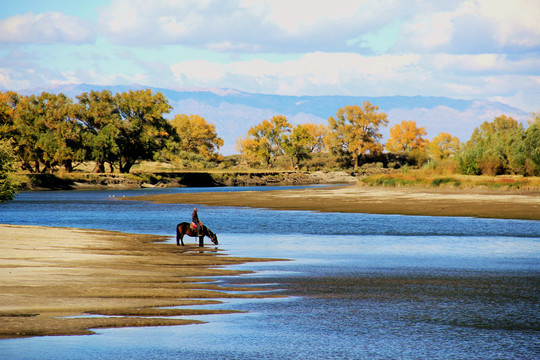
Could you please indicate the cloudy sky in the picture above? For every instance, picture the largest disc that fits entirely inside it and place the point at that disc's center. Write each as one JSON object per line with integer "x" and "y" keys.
{"x": 473, "y": 49}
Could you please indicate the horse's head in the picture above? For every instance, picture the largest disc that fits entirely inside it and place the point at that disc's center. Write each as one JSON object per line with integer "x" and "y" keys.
{"x": 213, "y": 237}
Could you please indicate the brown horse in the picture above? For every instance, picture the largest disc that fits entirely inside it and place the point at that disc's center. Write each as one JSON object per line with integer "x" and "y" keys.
{"x": 185, "y": 229}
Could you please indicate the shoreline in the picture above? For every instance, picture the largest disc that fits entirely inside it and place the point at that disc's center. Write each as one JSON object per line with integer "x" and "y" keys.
{"x": 375, "y": 200}
{"x": 51, "y": 278}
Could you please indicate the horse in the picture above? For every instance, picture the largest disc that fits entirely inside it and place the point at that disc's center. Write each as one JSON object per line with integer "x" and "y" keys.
{"x": 185, "y": 229}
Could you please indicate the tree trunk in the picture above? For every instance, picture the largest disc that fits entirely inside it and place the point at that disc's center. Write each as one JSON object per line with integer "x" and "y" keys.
{"x": 99, "y": 168}
{"x": 126, "y": 166}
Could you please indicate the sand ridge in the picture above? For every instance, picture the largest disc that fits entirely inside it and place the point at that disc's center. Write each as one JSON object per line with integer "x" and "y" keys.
{"x": 49, "y": 273}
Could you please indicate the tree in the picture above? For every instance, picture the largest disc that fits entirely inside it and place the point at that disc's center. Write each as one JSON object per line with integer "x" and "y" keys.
{"x": 47, "y": 133}
{"x": 198, "y": 136}
{"x": 101, "y": 118}
{"x": 494, "y": 148}
{"x": 265, "y": 140}
{"x": 8, "y": 103}
{"x": 297, "y": 144}
{"x": 355, "y": 131}
{"x": 531, "y": 147}
{"x": 316, "y": 135}
{"x": 406, "y": 137}
{"x": 443, "y": 146}
{"x": 8, "y": 186}
{"x": 143, "y": 130}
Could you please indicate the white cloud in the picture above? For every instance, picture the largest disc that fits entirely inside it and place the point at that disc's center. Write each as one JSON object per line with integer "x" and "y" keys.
{"x": 245, "y": 25}
{"x": 313, "y": 73}
{"x": 45, "y": 28}
{"x": 204, "y": 71}
{"x": 482, "y": 64}
{"x": 516, "y": 22}
{"x": 474, "y": 26}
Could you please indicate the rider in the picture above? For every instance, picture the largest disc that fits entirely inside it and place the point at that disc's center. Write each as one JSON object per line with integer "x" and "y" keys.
{"x": 196, "y": 223}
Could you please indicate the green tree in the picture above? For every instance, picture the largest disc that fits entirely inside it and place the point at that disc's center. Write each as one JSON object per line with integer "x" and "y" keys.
{"x": 8, "y": 186}
{"x": 354, "y": 131}
{"x": 143, "y": 130}
{"x": 531, "y": 147}
{"x": 303, "y": 141}
{"x": 265, "y": 141}
{"x": 47, "y": 133}
{"x": 198, "y": 136}
{"x": 101, "y": 118}
{"x": 494, "y": 148}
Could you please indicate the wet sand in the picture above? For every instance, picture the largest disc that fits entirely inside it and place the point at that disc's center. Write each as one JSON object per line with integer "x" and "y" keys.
{"x": 376, "y": 200}
{"x": 48, "y": 273}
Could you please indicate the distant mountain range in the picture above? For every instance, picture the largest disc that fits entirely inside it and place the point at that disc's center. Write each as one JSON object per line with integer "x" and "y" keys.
{"x": 234, "y": 112}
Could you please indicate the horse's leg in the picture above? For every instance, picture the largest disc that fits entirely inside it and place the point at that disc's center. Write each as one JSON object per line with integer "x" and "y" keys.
{"x": 201, "y": 241}
{"x": 179, "y": 236}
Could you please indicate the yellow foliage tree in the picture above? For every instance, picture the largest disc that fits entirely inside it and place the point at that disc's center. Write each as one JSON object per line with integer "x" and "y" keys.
{"x": 354, "y": 131}
{"x": 316, "y": 134}
{"x": 265, "y": 141}
{"x": 198, "y": 136}
{"x": 406, "y": 137}
{"x": 443, "y": 146}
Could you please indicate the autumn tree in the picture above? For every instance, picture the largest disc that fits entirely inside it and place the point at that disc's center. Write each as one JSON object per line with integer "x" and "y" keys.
{"x": 198, "y": 136}
{"x": 354, "y": 131}
{"x": 265, "y": 141}
{"x": 8, "y": 103}
{"x": 406, "y": 137}
{"x": 443, "y": 146}
{"x": 316, "y": 134}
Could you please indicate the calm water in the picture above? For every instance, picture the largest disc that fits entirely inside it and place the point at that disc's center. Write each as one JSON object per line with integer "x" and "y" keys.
{"x": 368, "y": 286}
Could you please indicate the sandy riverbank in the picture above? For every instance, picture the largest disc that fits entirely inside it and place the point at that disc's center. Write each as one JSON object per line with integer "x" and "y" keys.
{"x": 376, "y": 200}
{"x": 49, "y": 273}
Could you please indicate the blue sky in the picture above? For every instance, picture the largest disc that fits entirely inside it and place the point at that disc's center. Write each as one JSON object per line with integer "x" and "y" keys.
{"x": 473, "y": 49}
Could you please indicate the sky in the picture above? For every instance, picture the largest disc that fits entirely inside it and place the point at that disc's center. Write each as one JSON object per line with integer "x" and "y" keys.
{"x": 470, "y": 49}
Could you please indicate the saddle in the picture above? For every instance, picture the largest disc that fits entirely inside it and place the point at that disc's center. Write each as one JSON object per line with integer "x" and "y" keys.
{"x": 196, "y": 228}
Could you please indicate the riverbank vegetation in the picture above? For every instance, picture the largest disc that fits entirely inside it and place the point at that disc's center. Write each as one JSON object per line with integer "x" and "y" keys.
{"x": 116, "y": 133}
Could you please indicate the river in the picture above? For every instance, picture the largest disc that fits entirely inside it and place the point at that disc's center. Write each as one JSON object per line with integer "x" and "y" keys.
{"x": 359, "y": 286}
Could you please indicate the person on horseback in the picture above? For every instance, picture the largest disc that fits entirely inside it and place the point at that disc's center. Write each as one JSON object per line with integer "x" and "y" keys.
{"x": 195, "y": 222}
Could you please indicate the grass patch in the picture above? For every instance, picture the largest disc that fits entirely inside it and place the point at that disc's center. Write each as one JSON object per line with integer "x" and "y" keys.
{"x": 421, "y": 179}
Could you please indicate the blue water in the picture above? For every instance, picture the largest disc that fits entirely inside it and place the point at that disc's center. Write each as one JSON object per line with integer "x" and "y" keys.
{"x": 358, "y": 286}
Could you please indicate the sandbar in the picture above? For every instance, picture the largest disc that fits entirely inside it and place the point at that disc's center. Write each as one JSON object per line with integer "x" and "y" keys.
{"x": 480, "y": 203}
{"x": 51, "y": 279}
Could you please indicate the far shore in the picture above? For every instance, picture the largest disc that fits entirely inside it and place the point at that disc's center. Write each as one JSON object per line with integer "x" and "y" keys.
{"x": 48, "y": 275}
{"x": 375, "y": 200}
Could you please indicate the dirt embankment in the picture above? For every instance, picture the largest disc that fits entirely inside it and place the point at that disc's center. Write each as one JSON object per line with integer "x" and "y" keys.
{"x": 184, "y": 179}
{"x": 47, "y": 274}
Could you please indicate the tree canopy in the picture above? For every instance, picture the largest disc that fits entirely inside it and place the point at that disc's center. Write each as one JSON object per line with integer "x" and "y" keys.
{"x": 51, "y": 130}
{"x": 198, "y": 136}
{"x": 354, "y": 131}
{"x": 443, "y": 146}
{"x": 406, "y": 137}
{"x": 265, "y": 140}
{"x": 495, "y": 147}
{"x": 8, "y": 186}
